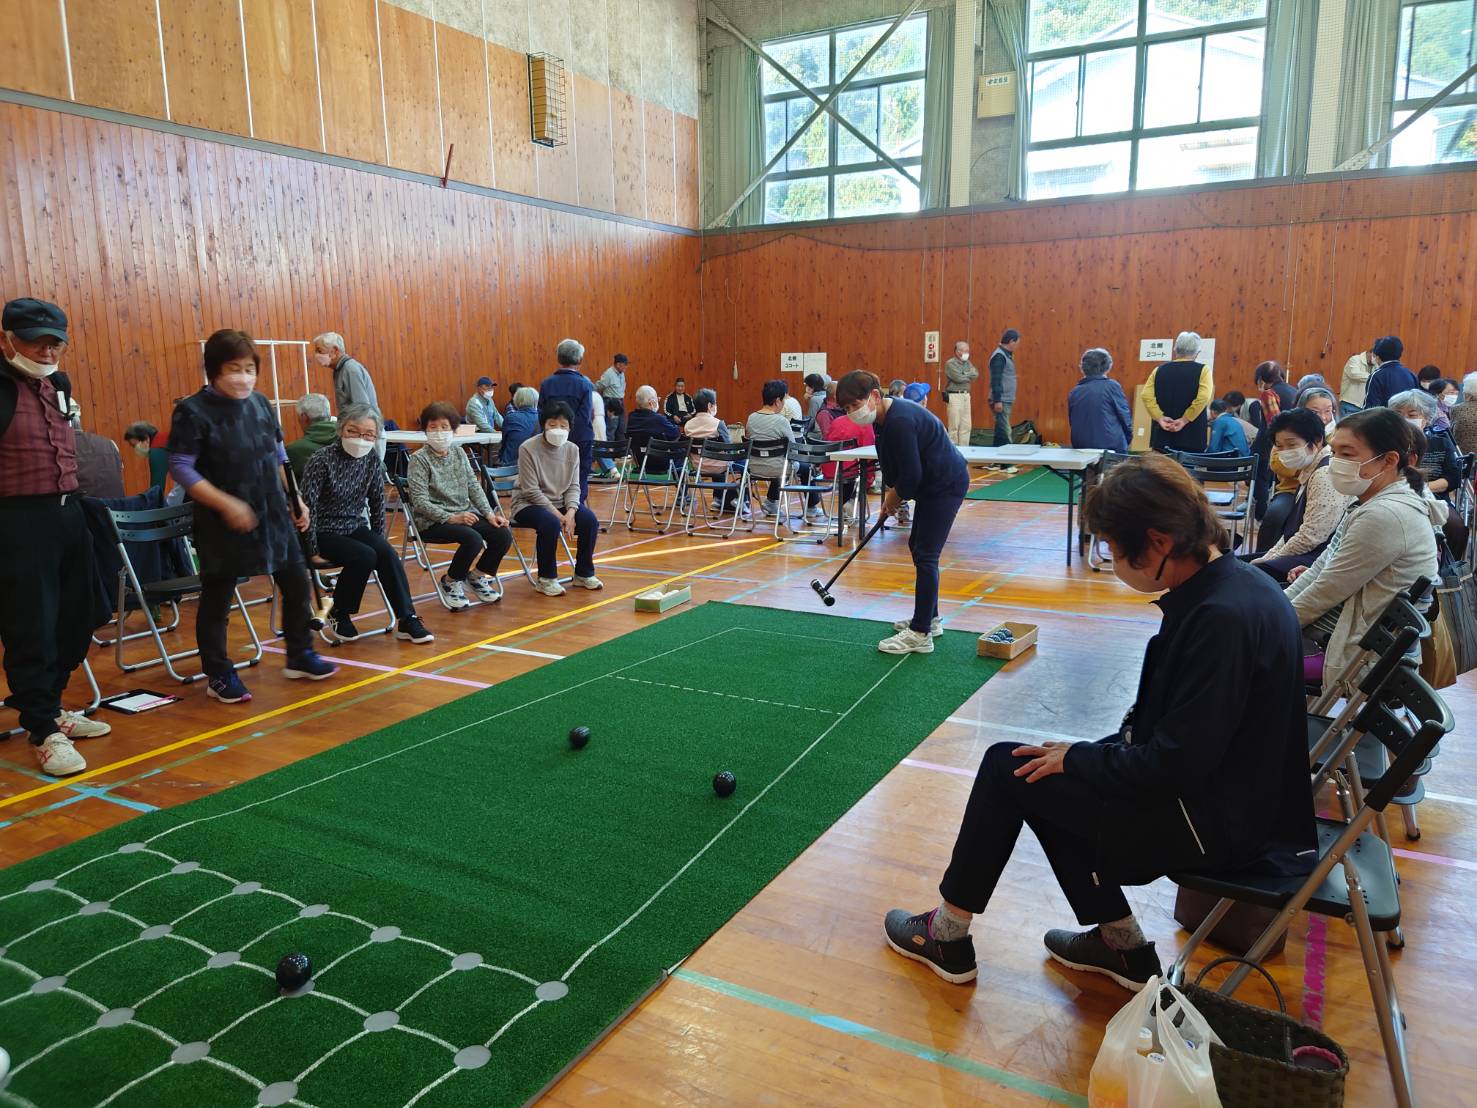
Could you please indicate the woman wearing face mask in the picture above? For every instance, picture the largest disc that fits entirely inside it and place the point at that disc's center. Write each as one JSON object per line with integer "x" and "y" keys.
{"x": 1298, "y": 439}
{"x": 450, "y": 507}
{"x": 1380, "y": 546}
{"x": 547, "y": 499}
{"x": 144, "y": 438}
{"x": 1438, "y": 463}
{"x": 1447, "y": 395}
{"x": 339, "y": 483}
{"x": 1219, "y": 704}
{"x": 919, "y": 463}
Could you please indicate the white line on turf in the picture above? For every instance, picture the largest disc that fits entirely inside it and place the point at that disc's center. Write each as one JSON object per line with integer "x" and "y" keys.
{"x": 519, "y": 650}
{"x": 730, "y": 696}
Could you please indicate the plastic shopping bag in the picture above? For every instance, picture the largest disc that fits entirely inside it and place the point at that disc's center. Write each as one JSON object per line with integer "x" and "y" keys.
{"x": 1155, "y": 1054}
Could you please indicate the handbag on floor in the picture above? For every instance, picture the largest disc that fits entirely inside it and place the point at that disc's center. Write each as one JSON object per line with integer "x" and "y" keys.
{"x": 1456, "y": 596}
{"x": 1155, "y": 1054}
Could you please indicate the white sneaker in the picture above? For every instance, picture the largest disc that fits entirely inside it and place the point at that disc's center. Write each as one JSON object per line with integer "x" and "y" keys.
{"x": 816, "y": 515}
{"x": 482, "y": 586}
{"x": 548, "y": 586}
{"x": 935, "y": 629}
{"x": 453, "y": 594}
{"x": 75, "y": 725}
{"x": 907, "y": 641}
{"x": 57, "y": 756}
{"x": 591, "y": 582}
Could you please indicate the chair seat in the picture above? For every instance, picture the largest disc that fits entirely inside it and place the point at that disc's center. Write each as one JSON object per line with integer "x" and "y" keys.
{"x": 1220, "y": 497}
{"x": 1370, "y": 856}
{"x": 712, "y": 484}
{"x": 171, "y": 588}
{"x": 651, "y": 479}
{"x": 1370, "y": 756}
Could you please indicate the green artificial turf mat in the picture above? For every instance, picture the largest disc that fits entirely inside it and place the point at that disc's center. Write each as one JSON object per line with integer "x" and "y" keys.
{"x": 1035, "y": 486}
{"x": 452, "y": 874}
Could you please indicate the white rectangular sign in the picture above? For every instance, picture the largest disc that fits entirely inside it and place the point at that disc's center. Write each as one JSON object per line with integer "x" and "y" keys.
{"x": 1155, "y": 350}
{"x": 816, "y": 363}
{"x": 1207, "y": 353}
{"x": 791, "y": 363}
{"x": 930, "y": 346}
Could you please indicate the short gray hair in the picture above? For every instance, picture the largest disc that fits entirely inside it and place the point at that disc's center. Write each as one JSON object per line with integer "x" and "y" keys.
{"x": 1096, "y": 362}
{"x": 353, "y": 413}
{"x": 570, "y": 352}
{"x": 1414, "y": 400}
{"x": 646, "y": 397}
{"x": 1186, "y": 344}
{"x": 312, "y": 407}
{"x": 1469, "y": 387}
{"x": 329, "y": 340}
{"x": 704, "y": 399}
{"x": 526, "y": 398}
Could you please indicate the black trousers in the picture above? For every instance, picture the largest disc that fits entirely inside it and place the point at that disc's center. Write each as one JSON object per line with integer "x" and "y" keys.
{"x": 933, "y": 519}
{"x": 1065, "y": 815}
{"x": 214, "y": 611}
{"x": 360, "y": 554}
{"x": 46, "y": 603}
{"x": 547, "y": 526}
{"x": 472, "y": 539}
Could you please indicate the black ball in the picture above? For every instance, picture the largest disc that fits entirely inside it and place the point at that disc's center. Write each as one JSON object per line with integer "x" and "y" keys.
{"x": 724, "y": 783}
{"x": 578, "y": 737}
{"x": 294, "y": 971}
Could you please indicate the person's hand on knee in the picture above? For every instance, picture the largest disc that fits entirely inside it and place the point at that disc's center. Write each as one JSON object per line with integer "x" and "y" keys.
{"x": 1046, "y": 759}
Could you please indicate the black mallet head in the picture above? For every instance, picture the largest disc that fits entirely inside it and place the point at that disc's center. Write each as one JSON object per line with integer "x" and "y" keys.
{"x": 821, "y": 591}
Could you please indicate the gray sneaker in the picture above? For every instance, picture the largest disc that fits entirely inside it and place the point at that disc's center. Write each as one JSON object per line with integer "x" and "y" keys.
{"x": 912, "y": 937}
{"x": 1088, "y": 951}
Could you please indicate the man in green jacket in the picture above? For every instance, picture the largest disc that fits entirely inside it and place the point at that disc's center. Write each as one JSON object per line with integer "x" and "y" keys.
{"x": 319, "y": 430}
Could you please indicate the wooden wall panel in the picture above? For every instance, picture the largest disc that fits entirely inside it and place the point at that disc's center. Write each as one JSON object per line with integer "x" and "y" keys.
{"x": 163, "y": 239}
{"x": 464, "y": 119}
{"x": 115, "y": 55}
{"x": 31, "y": 46}
{"x": 688, "y": 157}
{"x": 283, "y": 72}
{"x": 592, "y": 127}
{"x": 628, "y": 128}
{"x": 512, "y": 151}
{"x": 349, "y": 73}
{"x": 660, "y": 166}
{"x": 558, "y": 168}
{"x": 408, "y": 52}
{"x": 1306, "y": 274}
{"x": 205, "y": 66}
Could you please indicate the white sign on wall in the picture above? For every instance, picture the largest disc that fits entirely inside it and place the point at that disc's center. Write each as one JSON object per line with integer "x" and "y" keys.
{"x": 816, "y": 363}
{"x": 792, "y": 363}
{"x": 1155, "y": 350}
{"x": 930, "y": 346}
{"x": 1207, "y": 353}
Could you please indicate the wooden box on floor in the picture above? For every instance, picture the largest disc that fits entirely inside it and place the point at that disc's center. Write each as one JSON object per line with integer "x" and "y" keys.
{"x": 660, "y": 601}
{"x": 1025, "y": 638}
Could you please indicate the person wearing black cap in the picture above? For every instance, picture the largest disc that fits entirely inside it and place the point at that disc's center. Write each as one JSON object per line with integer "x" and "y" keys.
{"x": 482, "y": 408}
{"x": 47, "y": 614}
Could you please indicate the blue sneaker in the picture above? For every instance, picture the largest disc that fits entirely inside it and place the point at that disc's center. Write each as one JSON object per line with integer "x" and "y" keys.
{"x": 310, "y": 665}
{"x": 228, "y": 689}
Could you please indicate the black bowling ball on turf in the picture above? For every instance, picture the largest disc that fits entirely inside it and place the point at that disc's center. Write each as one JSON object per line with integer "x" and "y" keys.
{"x": 724, "y": 783}
{"x": 294, "y": 971}
{"x": 579, "y": 737}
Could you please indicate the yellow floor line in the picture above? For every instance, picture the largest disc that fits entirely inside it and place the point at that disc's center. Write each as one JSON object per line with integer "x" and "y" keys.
{"x": 684, "y": 549}
{"x": 339, "y": 690}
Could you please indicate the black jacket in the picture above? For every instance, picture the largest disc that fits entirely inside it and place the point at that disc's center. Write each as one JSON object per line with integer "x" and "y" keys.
{"x": 917, "y": 456}
{"x": 1210, "y": 770}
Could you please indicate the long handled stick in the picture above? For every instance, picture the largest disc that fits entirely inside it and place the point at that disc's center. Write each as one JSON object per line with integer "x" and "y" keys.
{"x": 824, "y": 591}
{"x": 319, "y": 619}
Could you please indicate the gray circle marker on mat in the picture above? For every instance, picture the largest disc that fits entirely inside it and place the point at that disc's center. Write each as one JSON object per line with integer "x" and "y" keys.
{"x": 132, "y": 848}
{"x": 96, "y": 908}
{"x": 381, "y": 1021}
{"x": 223, "y": 959}
{"x": 114, "y": 1017}
{"x": 246, "y": 888}
{"x": 186, "y": 1053}
{"x": 304, "y": 991}
{"x": 279, "y": 1092}
{"x": 158, "y": 931}
{"x": 312, "y": 911}
{"x": 472, "y": 1057}
{"x": 40, "y": 886}
{"x": 469, "y": 960}
{"x": 552, "y": 990}
{"x": 47, "y": 985}
{"x": 185, "y": 867}
{"x": 384, "y": 934}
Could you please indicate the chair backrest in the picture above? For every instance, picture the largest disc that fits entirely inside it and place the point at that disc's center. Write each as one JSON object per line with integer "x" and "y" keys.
{"x": 809, "y": 453}
{"x": 799, "y": 426}
{"x": 714, "y": 449}
{"x": 664, "y": 455}
{"x": 1400, "y": 614}
{"x": 610, "y": 449}
{"x": 1220, "y": 468}
{"x": 768, "y": 448}
{"x": 1409, "y": 718}
{"x": 501, "y": 478}
{"x": 152, "y": 524}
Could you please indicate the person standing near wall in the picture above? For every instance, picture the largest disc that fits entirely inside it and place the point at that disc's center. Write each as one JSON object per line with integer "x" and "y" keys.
{"x": 1176, "y": 396}
{"x": 569, "y": 385}
{"x": 351, "y": 381}
{"x": 612, "y": 386}
{"x": 959, "y": 377}
{"x": 1002, "y": 384}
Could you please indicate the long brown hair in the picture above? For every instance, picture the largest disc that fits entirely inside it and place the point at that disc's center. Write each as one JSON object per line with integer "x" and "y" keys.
{"x": 1154, "y": 491}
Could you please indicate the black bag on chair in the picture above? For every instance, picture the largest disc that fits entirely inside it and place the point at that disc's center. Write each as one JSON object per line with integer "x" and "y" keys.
{"x": 1456, "y": 599}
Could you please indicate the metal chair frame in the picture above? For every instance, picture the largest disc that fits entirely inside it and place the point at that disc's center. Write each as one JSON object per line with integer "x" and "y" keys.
{"x": 664, "y": 466}
{"x": 705, "y": 487}
{"x": 501, "y": 479}
{"x": 810, "y": 456}
{"x": 423, "y": 551}
{"x": 92, "y": 705}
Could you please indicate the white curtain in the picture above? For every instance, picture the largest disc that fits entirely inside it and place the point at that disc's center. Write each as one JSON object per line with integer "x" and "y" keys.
{"x": 1010, "y": 19}
{"x": 1367, "y": 75}
{"x": 1287, "y": 89}
{"x": 734, "y": 143}
{"x": 938, "y": 109}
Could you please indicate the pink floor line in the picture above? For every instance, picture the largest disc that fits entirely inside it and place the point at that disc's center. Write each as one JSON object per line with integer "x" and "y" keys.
{"x": 1438, "y": 859}
{"x": 337, "y": 660}
{"x": 1315, "y": 959}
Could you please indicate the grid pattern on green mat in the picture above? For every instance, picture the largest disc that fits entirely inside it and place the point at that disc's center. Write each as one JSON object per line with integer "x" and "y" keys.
{"x": 480, "y": 901}
{"x": 1035, "y": 486}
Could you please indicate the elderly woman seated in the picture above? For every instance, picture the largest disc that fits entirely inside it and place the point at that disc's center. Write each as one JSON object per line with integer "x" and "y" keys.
{"x": 547, "y": 499}
{"x": 1439, "y": 463}
{"x": 520, "y": 422}
{"x": 1297, "y": 436}
{"x": 344, "y": 487}
{"x": 1169, "y": 790}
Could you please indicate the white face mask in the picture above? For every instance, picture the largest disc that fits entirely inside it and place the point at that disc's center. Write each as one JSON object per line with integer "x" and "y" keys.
{"x": 357, "y": 448}
{"x": 30, "y": 368}
{"x": 1295, "y": 458}
{"x": 557, "y": 436}
{"x": 325, "y": 360}
{"x": 1417, "y": 422}
{"x": 439, "y": 440}
{"x": 1328, "y": 430}
{"x": 863, "y": 416}
{"x": 1345, "y": 475}
{"x": 1138, "y": 584}
{"x": 141, "y": 448}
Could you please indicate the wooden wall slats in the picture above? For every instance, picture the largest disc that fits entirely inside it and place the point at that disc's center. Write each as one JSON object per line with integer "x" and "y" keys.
{"x": 512, "y": 148}
{"x": 408, "y": 51}
{"x": 284, "y": 79}
{"x": 464, "y": 111}
{"x": 688, "y": 157}
{"x": 660, "y": 167}
{"x": 150, "y": 241}
{"x": 349, "y": 77}
{"x": 205, "y": 66}
{"x": 627, "y": 120}
{"x": 592, "y": 122}
{"x": 31, "y": 46}
{"x": 115, "y": 55}
{"x": 558, "y": 169}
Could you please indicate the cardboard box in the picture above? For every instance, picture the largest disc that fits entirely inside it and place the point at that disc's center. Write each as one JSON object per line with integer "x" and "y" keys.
{"x": 656, "y": 601}
{"x": 1025, "y": 638}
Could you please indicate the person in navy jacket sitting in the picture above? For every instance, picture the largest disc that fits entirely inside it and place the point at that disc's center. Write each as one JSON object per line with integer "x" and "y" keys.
{"x": 1096, "y": 407}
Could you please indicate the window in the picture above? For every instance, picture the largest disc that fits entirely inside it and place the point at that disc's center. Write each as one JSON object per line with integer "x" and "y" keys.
{"x": 1435, "y": 47}
{"x": 1133, "y": 94}
{"x": 830, "y": 173}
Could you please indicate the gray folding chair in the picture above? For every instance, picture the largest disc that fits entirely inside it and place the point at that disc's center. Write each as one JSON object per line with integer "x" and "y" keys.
{"x": 499, "y": 482}
{"x": 718, "y": 482}
{"x": 422, "y": 549}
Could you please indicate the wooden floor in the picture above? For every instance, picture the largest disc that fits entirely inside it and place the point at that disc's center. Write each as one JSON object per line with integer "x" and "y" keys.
{"x": 797, "y": 1000}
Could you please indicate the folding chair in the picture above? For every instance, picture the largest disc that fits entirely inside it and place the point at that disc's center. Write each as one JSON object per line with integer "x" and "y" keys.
{"x": 97, "y": 698}
{"x": 423, "y": 551}
{"x": 1230, "y": 504}
{"x": 499, "y": 481}
{"x": 618, "y": 453}
{"x": 1368, "y": 896}
{"x": 806, "y": 458}
{"x": 318, "y": 568}
{"x": 766, "y": 450}
{"x": 712, "y": 480}
{"x": 664, "y": 466}
{"x": 156, "y": 525}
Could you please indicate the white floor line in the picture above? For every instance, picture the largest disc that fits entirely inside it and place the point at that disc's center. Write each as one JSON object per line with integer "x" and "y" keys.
{"x": 442, "y": 976}
{"x": 520, "y": 650}
{"x": 1465, "y": 801}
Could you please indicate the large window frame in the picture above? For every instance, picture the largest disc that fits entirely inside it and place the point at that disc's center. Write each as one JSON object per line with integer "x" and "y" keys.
{"x": 797, "y": 101}
{"x": 1141, "y": 41}
{"x": 1402, "y": 101}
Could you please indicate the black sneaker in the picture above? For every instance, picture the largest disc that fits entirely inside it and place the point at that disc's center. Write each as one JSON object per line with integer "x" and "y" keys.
{"x": 1087, "y": 950}
{"x": 339, "y": 629}
{"x": 412, "y": 629}
{"x": 912, "y": 937}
